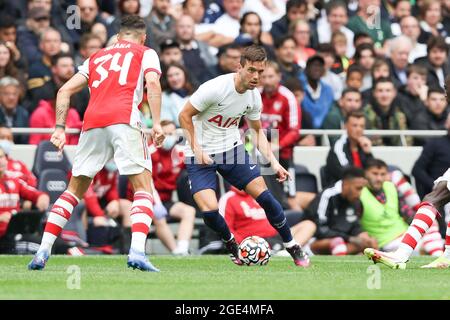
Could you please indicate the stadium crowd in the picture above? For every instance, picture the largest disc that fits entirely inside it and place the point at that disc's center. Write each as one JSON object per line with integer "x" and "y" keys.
{"x": 351, "y": 65}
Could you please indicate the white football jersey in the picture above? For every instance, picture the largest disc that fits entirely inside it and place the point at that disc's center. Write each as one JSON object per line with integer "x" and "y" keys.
{"x": 221, "y": 109}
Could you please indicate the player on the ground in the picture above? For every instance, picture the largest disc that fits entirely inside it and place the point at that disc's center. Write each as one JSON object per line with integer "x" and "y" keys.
{"x": 423, "y": 220}
{"x": 210, "y": 119}
{"x": 111, "y": 129}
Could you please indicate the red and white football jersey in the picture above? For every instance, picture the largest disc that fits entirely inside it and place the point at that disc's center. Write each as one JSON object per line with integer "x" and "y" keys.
{"x": 116, "y": 76}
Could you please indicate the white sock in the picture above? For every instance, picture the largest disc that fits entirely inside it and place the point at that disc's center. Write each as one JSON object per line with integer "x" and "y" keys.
{"x": 138, "y": 240}
{"x": 47, "y": 242}
{"x": 290, "y": 244}
{"x": 182, "y": 246}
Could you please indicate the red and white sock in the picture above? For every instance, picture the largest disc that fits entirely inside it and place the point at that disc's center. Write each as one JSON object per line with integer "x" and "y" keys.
{"x": 57, "y": 219}
{"x": 432, "y": 241}
{"x": 405, "y": 189}
{"x": 338, "y": 247}
{"x": 447, "y": 242}
{"x": 424, "y": 218}
{"x": 141, "y": 218}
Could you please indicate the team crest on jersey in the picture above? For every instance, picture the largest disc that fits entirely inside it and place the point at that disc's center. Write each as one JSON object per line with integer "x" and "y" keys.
{"x": 277, "y": 105}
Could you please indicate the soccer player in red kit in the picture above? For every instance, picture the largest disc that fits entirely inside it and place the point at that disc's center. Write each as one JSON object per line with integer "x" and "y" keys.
{"x": 111, "y": 129}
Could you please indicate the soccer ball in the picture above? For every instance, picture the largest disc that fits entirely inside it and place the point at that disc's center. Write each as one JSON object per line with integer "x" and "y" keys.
{"x": 254, "y": 250}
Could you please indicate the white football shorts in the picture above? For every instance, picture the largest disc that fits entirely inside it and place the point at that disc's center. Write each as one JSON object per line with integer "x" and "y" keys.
{"x": 444, "y": 177}
{"x": 126, "y": 144}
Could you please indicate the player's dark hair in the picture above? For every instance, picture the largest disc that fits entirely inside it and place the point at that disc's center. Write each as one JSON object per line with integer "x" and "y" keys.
{"x": 358, "y": 114}
{"x": 351, "y": 173}
{"x": 375, "y": 163}
{"x": 435, "y": 90}
{"x": 132, "y": 24}
{"x": 55, "y": 59}
{"x": 253, "y": 53}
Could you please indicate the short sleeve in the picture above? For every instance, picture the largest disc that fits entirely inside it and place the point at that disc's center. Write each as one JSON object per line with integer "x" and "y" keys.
{"x": 255, "y": 112}
{"x": 205, "y": 96}
{"x": 84, "y": 68}
{"x": 150, "y": 62}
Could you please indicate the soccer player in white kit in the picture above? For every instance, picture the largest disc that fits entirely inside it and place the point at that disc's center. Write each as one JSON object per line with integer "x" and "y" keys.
{"x": 210, "y": 119}
{"x": 111, "y": 129}
{"x": 424, "y": 218}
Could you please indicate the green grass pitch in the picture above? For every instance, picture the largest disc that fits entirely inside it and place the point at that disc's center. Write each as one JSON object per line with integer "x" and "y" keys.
{"x": 215, "y": 277}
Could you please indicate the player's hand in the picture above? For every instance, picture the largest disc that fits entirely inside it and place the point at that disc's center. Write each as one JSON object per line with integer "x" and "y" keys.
{"x": 59, "y": 139}
{"x": 43, "y": 202}
{"x": 5, "y": 217}
{"x": 202, "y": 157}
{"x": 157, "y": 135}
{"x": 281, "y": 172}
{"x": 365, "y": 144}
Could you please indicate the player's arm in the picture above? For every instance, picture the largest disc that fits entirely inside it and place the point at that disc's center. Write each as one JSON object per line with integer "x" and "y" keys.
{"x": 154, "y": 101}
{"x": 265, "y": 148}
{"x": 185, "y": 119}
{"x": 74, "y": 85}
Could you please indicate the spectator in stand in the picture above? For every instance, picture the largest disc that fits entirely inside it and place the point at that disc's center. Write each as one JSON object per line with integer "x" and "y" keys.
{"x": 285, "y": 53}
{"x": 15, "y": 168}
{"x": 402, "y": 9}
{"x": 380, "y": 69}
{"x": 434, "y": 115}
{"x": 13, "y": 190}
{"x": 410, "y": 28}
{"x": 399, "y": 50}
{"x": 382, "y": 217}
{"x": 38, "y": 20}
{"x": 383, "y": 113}
{"x": 160, "y": 23}
{"x": 295, "y": 9}
{"x": 89, "y": 44}
{"x": 251, "y": 32}
{"x": 268, "y": 11}
{"x": 365, "y": 57}
{"x": 335, "y": 20}
{"x": 318, "y": 96}
{"x": 351, "y": 100}
{"x": 352, "y": 149}
{"x": 339, "y": 43}
{"x": 281, "y": 112}
{"x": 430, "y": 24}
{"x": 300, "y": 30}
{"x": 229, "y": 59}
{"x": 8, "y": 67}
{"x": 226, "y": 27}
{"x": 413, "y": 95}
{"x": 196, "y": 10}
{"x": 245, "y": 217}
{"x": 336, "y": 211}
{"x": 177, "y": 88}
{"x": 62, "y": 68}
{"x": 170, "y": 52}
{"x": 355, "y": 77}
{"x": 326, "y": 51}
{"x": 436, "y": 62}
{"x": 12, "y": 114}
{"x": 362, "y": 37}
{"x": 363, "y": 22}
{"x": 196, "y": 55}
{"x": 8, "y": 34}
{"x": 126, "y": 7}
{"x": 433, "y": 162}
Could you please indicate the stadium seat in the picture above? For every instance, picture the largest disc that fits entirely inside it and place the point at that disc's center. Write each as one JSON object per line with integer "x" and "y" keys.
{"x": 53, "y": 182}
{"x": 47, "y": 157}
{"x": 306, "y": 182}
{"x": 301, "y": 169}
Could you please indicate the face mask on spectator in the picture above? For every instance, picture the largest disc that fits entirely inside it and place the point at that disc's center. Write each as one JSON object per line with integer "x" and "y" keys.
{"x": 169, "y": 142}
{"x": 6, "y": 145}
{"x": 110, "y": 166}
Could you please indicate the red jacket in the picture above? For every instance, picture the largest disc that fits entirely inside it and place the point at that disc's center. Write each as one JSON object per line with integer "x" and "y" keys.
{"x": 167, "y": 166}
{"x": 244, "y": 216}
{"x": 12, "y": 190}
{"x": 45, "y": 117}
{"x": 18, "y": 169}
{"x": 103, "y": 185}
{"x": 282, "y": 111}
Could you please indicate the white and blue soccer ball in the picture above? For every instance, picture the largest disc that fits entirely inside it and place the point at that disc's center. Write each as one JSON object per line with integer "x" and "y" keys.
{"x": 254, "y": 250}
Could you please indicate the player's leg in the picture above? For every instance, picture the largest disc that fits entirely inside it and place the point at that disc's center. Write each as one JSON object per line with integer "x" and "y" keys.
{"x": 163, "y": 232}
{"x": 423, "y": 220}
{"x": 303, "y": 231}
{"x": 186, "y": 215}
{"x": 58, "y": 217}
